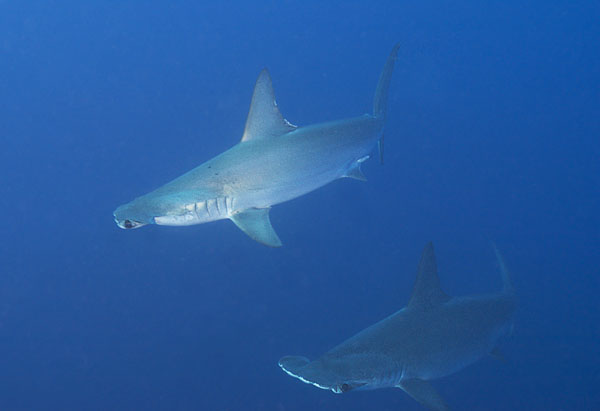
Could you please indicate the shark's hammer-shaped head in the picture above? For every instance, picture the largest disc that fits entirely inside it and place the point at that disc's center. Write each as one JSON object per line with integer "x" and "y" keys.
{"x": 146, "y": 210}
{"x": 321, "y": 375}
{"x": 128, "y": 216}
{"x": 169, "y": 208}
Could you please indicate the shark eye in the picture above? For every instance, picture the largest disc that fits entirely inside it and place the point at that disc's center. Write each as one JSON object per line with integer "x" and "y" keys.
{"x": 127, "y": 224}
{"x": 345, "y": 387}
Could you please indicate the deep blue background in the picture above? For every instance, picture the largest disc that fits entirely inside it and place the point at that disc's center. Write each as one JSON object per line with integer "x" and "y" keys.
{"x": 493, "y": 133}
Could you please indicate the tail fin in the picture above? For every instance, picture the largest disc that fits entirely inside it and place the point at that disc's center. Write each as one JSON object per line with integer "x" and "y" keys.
{"x": 381, "y": 92}
{"x": 507, "y": 286}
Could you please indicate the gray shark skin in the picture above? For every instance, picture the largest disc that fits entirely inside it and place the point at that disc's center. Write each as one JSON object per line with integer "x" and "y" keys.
{"x": 274, "y": 162}
{"x": 433, "y": 336}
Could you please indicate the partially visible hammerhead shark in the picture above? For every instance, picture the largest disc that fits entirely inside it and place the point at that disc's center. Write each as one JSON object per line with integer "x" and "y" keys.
{"x": 433, "y": 336}
{"x": 276, "y": 161}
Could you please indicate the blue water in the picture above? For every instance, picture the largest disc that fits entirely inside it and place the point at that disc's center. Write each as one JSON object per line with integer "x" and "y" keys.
{"x": 493, "y": 134}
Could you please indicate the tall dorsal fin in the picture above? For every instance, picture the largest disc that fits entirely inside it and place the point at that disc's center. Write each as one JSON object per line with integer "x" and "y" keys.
{"x": 427, "y": 291}
{"x": 264, "y": 118}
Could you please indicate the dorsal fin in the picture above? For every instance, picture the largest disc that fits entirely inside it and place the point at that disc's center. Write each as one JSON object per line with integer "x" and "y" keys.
{"x": 264, "y": 119}
{"x": 427, "y": 291}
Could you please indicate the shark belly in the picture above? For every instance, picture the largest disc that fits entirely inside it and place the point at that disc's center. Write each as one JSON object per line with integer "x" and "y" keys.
{"x": 239, "y": 180}
{"x": 442, "y": 364}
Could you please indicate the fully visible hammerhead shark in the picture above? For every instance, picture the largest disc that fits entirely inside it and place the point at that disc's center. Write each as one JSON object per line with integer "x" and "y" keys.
{"x": 433, "y": 336}
{"x": 274, "y": 162}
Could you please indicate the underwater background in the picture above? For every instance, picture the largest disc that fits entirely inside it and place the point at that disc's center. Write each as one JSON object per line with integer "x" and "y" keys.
{"x": 493, "y": 133}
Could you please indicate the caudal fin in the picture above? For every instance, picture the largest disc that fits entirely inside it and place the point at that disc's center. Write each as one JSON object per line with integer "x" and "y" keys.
{"x": 507, "y": 285}
{"x": 381, "y": 92}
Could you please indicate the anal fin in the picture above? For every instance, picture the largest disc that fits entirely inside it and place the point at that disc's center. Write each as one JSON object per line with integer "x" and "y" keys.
{"x": 424, "y": 393}
{"x": 256, "y": 223}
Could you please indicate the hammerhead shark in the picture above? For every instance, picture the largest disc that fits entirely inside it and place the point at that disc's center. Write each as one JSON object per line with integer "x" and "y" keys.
{"x": 274, "y": 162}
{"x": 433, "y": 336}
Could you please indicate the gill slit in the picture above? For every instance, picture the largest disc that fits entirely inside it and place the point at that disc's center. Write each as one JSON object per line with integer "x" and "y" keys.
{"x": 196, "y": 211}
{"x": 227, "y": 205}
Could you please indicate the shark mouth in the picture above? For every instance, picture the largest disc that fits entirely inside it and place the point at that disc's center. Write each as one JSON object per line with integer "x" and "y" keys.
{"x": 129, "y": 224}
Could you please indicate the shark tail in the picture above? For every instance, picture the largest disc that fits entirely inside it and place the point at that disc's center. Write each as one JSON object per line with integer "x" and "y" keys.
{"x": 381, "y": 92}
{"x": 507, "y": 286}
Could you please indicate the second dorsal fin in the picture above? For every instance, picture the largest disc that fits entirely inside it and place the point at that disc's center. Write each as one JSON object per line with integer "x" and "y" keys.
{"x": 264, "y": 118}
{"x": 427, "y": 291}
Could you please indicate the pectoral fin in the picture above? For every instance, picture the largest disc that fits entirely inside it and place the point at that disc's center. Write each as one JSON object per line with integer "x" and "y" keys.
{"x": 255, "y": 222}
{"x": 424, "y": 393}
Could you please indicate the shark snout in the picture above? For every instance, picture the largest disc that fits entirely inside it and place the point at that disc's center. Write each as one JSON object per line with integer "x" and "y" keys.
{"x": 124, "y": 219}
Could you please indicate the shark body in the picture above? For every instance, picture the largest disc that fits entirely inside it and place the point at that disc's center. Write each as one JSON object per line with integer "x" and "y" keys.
{"x": 433, "y": 336}
{"x": 274, "y": 162}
